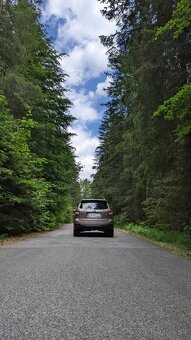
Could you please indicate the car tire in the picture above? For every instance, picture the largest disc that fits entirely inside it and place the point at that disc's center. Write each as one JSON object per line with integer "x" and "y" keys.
{"x": 109, "y": 232}
{"x": 76, "y": 232}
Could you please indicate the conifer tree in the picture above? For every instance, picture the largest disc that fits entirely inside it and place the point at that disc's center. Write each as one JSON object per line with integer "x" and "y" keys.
{"x": 146, "y": 72}
{"x": 32, "y": 84}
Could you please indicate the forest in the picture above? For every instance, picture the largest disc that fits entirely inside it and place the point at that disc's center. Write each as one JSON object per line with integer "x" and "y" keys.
{"x": 38, "y": 168}
{"x": 143, "y": 162}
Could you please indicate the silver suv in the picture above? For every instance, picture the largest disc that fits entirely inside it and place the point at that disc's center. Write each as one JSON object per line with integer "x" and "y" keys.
{"x": 93, "y": 214}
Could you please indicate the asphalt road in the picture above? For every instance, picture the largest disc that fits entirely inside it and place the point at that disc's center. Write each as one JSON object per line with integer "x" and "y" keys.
{"x": 56, "y": 286}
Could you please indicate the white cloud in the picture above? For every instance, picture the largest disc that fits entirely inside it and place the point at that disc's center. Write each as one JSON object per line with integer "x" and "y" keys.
{"x": 84, "y": 141}
{"x": 85, "y": 145}
{"x": 84, "y": 104}
{"x": 100, "y": 90}
{"x": 83, "y": 107}
{"x": 78, "y": 35}
{"x": 83, "y": 19}
{"x": 84, "y": 63}
{"x": 85, "y": 111}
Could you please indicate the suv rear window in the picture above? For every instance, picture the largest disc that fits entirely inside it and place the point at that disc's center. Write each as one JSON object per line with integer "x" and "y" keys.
{"x": 99, "y": 205}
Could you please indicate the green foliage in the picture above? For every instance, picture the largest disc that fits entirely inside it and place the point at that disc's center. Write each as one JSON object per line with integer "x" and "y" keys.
{"x": 181, "y": 240}
{"x": 143, "y": 161}
{"x": 180, "y": 19}
{"x": 36, "y": 159}
{"x": 187, "y": 229}
{"x": 178, "y": 108}
{"x": 86, "y": 188}
{"x": 166, "y": 195}
{"x": 18, "y": 171}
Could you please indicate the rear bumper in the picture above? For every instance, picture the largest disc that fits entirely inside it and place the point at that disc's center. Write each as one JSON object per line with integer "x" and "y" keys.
{"x": 82, "y": 227}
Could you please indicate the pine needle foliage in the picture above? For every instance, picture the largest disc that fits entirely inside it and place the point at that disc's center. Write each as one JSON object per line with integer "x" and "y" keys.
{"x": 143, "y": 161}
{"x": 38, "y": 167}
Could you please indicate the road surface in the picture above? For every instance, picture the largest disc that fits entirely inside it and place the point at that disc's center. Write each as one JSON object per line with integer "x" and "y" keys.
{"x": 55, "y": 286}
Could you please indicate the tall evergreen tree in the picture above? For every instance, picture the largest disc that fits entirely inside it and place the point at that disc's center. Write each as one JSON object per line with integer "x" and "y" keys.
{"x": 146, "y": 72}
{"x": 32, "y": 82}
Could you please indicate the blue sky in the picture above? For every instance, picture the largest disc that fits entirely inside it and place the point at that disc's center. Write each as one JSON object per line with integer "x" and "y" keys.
{"x": 75, "y": 27}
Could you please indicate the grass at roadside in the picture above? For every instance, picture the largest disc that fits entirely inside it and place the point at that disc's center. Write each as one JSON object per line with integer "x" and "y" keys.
{"x": 3, "y": 236}
{"x": 180, "y": 243}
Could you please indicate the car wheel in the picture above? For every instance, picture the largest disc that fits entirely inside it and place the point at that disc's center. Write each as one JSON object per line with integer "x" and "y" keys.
{"x": 109, "y": 232}
{"x": 76, "y": 232}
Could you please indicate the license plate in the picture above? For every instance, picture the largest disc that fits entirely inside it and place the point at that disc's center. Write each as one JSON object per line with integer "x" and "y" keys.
{"x": 94, "y": 215}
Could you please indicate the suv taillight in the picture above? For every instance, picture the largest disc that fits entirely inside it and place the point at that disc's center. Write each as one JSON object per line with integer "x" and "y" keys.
{"x": 110, "y": 213}
{"x": 76, "y": 213}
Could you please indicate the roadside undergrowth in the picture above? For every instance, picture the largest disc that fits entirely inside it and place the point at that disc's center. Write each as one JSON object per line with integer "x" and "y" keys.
{"x": 179, "y": 243}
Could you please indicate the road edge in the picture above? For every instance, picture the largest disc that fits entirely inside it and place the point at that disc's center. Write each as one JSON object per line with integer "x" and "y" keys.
{"x": 171, "y": 247}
